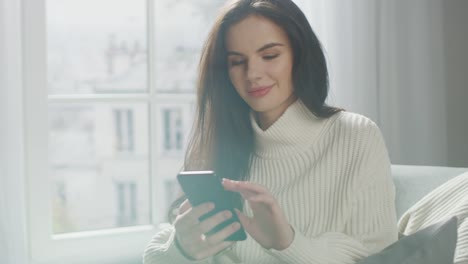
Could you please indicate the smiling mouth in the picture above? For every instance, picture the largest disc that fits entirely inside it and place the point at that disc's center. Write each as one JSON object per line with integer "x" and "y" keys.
{"x": 261, "y": 91}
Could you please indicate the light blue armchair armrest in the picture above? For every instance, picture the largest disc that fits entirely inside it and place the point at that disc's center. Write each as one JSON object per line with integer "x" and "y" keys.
{"x": 413, "y": 182}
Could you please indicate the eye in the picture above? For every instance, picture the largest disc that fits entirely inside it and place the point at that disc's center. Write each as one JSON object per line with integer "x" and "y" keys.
{"x": 270, "y": 57}
{"x": 236, "y": 62}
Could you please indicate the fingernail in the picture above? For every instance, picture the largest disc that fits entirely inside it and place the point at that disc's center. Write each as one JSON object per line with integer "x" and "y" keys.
{"x": 228, "y": 214}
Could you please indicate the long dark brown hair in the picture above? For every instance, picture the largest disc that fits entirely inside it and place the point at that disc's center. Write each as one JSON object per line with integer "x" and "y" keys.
{"x": 222, "y": 137}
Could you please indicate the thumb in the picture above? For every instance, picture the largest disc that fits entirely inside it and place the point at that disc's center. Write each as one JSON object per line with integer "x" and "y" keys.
{"x": 244, "y": 220}
{"x": 184, "y": 207}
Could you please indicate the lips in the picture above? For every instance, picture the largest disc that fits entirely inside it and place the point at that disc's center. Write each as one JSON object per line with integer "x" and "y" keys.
{"x": 260, "y": 91}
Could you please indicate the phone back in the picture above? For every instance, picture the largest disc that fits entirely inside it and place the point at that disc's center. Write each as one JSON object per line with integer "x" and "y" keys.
{"x": 204, "y": 186}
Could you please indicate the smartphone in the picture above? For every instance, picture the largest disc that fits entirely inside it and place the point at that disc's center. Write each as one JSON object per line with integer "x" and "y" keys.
{"x": 204, "y": 186}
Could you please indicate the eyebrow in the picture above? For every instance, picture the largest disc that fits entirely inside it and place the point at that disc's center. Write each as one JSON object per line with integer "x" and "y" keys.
{"x": 264, "y": 47}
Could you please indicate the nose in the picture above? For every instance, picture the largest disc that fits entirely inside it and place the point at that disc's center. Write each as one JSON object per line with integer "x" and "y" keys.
{"x": 254, "y": 71}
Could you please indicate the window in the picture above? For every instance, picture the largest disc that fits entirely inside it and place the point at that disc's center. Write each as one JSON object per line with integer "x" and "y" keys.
{"x": 110, "y": 94}
{"x": 172, "y": 130}
{"x": 123, "y": 119}
{"x": 127, "y": 207}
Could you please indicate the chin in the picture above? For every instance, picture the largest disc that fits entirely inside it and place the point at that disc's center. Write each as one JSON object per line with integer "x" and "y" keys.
{"x": 260, "y": 107}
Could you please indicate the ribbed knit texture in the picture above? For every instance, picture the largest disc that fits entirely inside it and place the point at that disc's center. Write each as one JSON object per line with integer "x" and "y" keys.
{"x": 449, "y": 199}
{"x": 332, "y": 179}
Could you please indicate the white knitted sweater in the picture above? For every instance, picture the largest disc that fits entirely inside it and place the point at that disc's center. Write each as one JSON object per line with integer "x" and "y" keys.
{"x": 447, "y": 200}
{"x": 332, "y": 179}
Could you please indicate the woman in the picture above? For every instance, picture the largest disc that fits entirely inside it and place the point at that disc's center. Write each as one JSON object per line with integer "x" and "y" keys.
{"x": 315, "y": 180}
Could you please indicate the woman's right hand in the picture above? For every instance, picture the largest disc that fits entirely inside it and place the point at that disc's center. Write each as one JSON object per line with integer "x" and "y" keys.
{"x": 190, "y": 232}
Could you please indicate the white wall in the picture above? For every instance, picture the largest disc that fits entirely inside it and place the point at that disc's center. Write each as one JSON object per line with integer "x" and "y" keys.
{"x": 13, "y": 244}
{"x": 411, "y": 85}
{"x": 404, "y": 64}
{"x": 424, "y": 81}
{"x": 3, "y": 239}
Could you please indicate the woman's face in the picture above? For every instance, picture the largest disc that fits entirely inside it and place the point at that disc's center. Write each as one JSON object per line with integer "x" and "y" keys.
{"x": 260, "y": 62}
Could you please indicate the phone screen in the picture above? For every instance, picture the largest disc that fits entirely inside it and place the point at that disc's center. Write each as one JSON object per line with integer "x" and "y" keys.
{"x": 204, "y": 186}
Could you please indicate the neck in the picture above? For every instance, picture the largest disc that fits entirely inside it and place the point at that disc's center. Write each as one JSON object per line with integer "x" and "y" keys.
{"x": 295, "y": 130}
{"x": 267, "y": 118}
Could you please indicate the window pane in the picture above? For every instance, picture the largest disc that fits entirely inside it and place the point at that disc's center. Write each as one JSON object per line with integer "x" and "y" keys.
{"x": 181, "y": 29}
{"x": 96, "y": 46}
{"x": 98, "y": 160}
{"x": 173, "y": 119}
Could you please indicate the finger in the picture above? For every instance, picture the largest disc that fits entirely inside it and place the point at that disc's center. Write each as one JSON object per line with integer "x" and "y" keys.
{"x": 215, "y": 220}
{"x": 190, "y": 218}
{"x": 223, "y": 234}
{"x": 184, "y": 206}
{"x": 247, "y": 194}
{"x": 214, "y": 250}
{"x": 239, "y": 186}
{"x": 201, "y": 209}
{"x": 264, "y": 199}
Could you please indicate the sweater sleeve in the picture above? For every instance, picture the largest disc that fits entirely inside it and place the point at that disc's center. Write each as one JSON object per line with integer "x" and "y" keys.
{"x": 163, "y": 250}
{"x": 371, "y": 223}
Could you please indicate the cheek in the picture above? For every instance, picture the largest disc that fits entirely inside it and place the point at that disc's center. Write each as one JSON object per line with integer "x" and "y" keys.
{"x": 236, "y": 79}
{"x": 282, "y": 72}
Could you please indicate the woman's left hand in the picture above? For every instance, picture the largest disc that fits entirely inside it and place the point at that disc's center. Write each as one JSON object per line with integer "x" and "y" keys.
{"x": 268, "y": 226}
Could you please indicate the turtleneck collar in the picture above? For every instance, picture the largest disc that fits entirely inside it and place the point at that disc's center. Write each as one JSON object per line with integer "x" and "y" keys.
{"x": 294, "y": 131}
